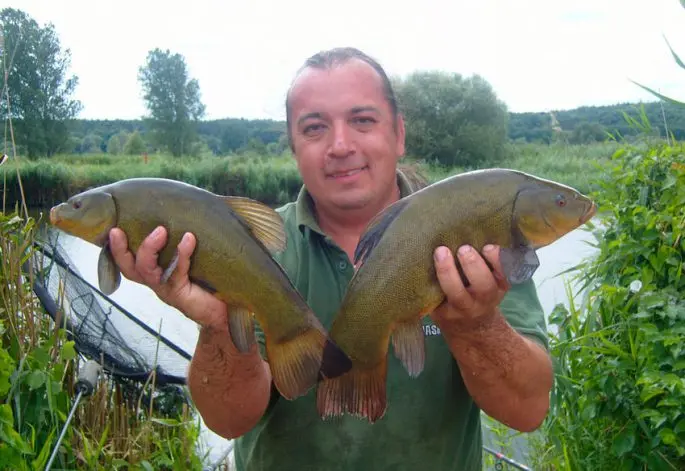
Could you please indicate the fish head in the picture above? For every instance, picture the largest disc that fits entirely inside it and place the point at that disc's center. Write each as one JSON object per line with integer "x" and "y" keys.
{"x": 88, "y": 215}
{"x": 546, "y": 211}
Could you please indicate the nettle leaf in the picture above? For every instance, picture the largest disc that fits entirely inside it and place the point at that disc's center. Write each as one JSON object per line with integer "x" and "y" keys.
{"x": 624, "y": 442}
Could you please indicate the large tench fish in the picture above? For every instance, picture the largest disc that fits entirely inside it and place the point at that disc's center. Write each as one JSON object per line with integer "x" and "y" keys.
{"x": 395, "y": 284}
{"x": 236, "y": 237}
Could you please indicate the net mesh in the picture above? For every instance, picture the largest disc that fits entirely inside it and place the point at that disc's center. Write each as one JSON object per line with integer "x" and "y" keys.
{"x": 101, "y": 328}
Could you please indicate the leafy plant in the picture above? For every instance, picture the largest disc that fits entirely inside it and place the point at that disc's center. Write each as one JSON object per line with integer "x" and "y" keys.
{"x": 619, "y": 395}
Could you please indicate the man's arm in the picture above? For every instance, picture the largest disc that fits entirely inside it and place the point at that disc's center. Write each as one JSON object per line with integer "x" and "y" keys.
{"x": 231, "y": 390}
{"x": 508, "y": 375}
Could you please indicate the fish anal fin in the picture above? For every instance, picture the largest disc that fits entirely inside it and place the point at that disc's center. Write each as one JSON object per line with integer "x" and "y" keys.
{"x": 518, "y": 263}
{"x": 334, "y": 362}
{"x": 109, "y": 275}
{"x": 297, "y": 362}
{"x": 264, "y": 222}
{"x": 361, "y": 392}
{"x": 375, "y": 229}
{"x": 409, "y": 346}
{"x": 241, "y": 328}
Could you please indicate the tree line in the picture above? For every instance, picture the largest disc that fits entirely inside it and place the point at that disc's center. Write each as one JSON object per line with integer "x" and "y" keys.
{"x": 451, "y": 119}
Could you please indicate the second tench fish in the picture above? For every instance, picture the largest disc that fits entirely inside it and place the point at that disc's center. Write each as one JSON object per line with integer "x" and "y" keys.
{"x": 396, "y": 285}
{"x": 235, "y": 237}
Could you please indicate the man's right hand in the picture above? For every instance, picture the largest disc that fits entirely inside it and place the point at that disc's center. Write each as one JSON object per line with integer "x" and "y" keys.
{"x": 179, "y": 292}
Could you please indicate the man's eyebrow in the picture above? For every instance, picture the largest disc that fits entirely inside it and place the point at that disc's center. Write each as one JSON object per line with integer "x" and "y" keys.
{"x": 365, "y": 109}
{"x": 305, "y": 117}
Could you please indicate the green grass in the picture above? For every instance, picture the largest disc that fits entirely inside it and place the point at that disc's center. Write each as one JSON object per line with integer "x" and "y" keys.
{"x": 273, "y": 179}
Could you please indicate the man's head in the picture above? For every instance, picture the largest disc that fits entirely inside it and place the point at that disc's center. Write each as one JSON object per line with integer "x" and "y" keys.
{"x": 345, "y": 129}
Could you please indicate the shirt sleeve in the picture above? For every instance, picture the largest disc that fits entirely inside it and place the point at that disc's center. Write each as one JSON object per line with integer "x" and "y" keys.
{"x": 522, "y": 309}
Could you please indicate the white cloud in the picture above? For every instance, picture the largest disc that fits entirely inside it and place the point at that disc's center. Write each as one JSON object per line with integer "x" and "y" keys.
{"x": 538, "y": 55}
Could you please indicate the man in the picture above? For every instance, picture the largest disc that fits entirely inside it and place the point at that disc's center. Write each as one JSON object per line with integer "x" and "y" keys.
{"x": 486, "y": 345}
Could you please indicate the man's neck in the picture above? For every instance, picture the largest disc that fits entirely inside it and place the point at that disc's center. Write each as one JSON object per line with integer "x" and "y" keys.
{"x": 345, "y": 227}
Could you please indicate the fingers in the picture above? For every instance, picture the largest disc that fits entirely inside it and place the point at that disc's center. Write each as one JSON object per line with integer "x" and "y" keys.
{"x": 483, "y": 284}
{"x": 184, "y": 250}
{"x": 123, "y": 257}
{"x": 491, "y": 254}
{"x": 146, "y": 257}
{"x": 449, "y": 279}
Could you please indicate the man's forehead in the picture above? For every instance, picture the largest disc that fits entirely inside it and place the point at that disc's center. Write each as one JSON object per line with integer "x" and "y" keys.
{"x": 353, "y": 71}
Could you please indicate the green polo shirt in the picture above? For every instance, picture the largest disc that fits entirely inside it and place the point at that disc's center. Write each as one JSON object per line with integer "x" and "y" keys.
{"x": 431, "y": 422}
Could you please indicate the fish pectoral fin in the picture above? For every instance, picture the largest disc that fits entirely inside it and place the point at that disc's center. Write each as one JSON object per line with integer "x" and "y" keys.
{"x": 109, "y": 276}
{"x": 360, "y": 392}
{"x": 241, "y": 328}
{"x": 264, "y": 222}
{"x": 518, "y": 264}
{"x": 170, "y": 269}
{"x": 409, "y": 346}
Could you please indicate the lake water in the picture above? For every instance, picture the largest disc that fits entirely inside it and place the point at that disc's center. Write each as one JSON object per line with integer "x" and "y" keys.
{"x": 142, "y": 302}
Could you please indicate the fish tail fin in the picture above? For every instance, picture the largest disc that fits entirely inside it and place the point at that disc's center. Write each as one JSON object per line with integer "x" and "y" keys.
{"x": 298, "y": 363}
{"x": 359, "y": 392}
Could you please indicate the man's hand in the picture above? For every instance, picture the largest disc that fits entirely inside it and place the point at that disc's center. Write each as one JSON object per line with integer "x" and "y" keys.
{"x": 473, "y": 305}
{"x": 508, "y": 375}
{"x": 179, "y": 292}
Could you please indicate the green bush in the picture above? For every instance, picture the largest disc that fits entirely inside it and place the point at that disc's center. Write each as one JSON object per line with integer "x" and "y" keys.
{"x": 619, "y": 395}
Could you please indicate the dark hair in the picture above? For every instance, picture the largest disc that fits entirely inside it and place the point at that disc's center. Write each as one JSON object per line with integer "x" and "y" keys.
{"x": 337, "y": 56}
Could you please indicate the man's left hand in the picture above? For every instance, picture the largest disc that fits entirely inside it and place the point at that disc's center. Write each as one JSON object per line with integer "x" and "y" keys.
{"x": 476, "y": 304}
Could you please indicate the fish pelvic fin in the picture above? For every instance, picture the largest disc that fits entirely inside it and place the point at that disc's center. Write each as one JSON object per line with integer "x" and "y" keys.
{"x": 409, "y": 346}
{"x": 376, "y": 228}
{"x": 241, "y": 328}
{"x": 263, "y": 221}
{"x": 109, "y": 275}
{"x": 297, "y": 363}
{"x": 359, "y": 392}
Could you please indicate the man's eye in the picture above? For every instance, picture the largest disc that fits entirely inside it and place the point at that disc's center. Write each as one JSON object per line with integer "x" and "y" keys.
{"x": 312, "y": 128}
{"x": 364, "y": 120}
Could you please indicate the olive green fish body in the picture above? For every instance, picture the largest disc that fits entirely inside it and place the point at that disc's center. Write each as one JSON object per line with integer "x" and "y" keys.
{"x": 232, "y": 260}
{"x": 227, "y": 260}
{"x": 396, "y": 283}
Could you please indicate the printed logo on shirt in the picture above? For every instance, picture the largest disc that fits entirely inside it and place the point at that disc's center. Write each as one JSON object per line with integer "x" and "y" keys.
{"x": 430, "y": 329}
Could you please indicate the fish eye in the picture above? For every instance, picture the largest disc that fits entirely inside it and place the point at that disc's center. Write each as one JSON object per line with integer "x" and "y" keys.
{"x": 560, "y": 200}
{"x": 76, "y": 204}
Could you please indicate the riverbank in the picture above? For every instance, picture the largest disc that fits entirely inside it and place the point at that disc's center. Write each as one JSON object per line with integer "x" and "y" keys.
{"x": 272, "y": 179}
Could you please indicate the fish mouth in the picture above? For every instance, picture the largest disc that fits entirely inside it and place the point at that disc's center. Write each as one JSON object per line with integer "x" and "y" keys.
{"x": 54, "y": 217}
{"x": 591, "y": 211}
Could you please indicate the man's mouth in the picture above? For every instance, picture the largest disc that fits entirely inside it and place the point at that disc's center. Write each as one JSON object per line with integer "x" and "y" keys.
{"x": 346, "y": 173}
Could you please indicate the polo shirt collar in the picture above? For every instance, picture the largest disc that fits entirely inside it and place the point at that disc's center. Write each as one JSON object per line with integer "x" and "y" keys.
{"x": 304, "y": 205}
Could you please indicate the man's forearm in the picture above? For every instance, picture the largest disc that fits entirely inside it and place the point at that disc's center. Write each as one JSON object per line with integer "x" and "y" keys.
{"x": 508, "y": 376}
{"x": 230, "y": 390}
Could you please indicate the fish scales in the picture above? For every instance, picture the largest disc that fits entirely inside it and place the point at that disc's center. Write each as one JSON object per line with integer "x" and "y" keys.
{"x": 232, "y": 260}
{"x": 396, "y": 284}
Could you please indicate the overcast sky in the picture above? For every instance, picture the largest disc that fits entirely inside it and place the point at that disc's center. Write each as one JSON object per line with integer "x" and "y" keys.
{"x": 537, "y": 54}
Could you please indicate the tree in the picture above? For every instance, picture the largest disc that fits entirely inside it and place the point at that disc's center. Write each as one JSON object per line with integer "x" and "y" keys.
{"x": 134, "y": 145}
{"x": 116, "y": 142}
{"x": 452, "y": 119}
{"x": 172, "y": 99}
{"x": 40, "y": 102}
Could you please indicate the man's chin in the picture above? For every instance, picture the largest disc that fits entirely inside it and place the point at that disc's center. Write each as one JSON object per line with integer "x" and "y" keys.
{"x": 351, "y": 202}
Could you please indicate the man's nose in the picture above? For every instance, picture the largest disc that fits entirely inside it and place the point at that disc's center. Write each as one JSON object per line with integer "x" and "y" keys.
{"x": 342, "y": 145}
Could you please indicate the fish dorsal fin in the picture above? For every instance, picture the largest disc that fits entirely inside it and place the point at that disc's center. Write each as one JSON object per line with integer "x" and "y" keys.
{"x": 375, "y": 229}
{"x": 264, "y": 222}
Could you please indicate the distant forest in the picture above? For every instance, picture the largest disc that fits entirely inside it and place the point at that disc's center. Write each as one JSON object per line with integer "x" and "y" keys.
{"x": 576, "y": 126}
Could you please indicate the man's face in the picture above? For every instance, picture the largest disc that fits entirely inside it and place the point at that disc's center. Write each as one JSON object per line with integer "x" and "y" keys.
{"x": 343, "y": 136}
